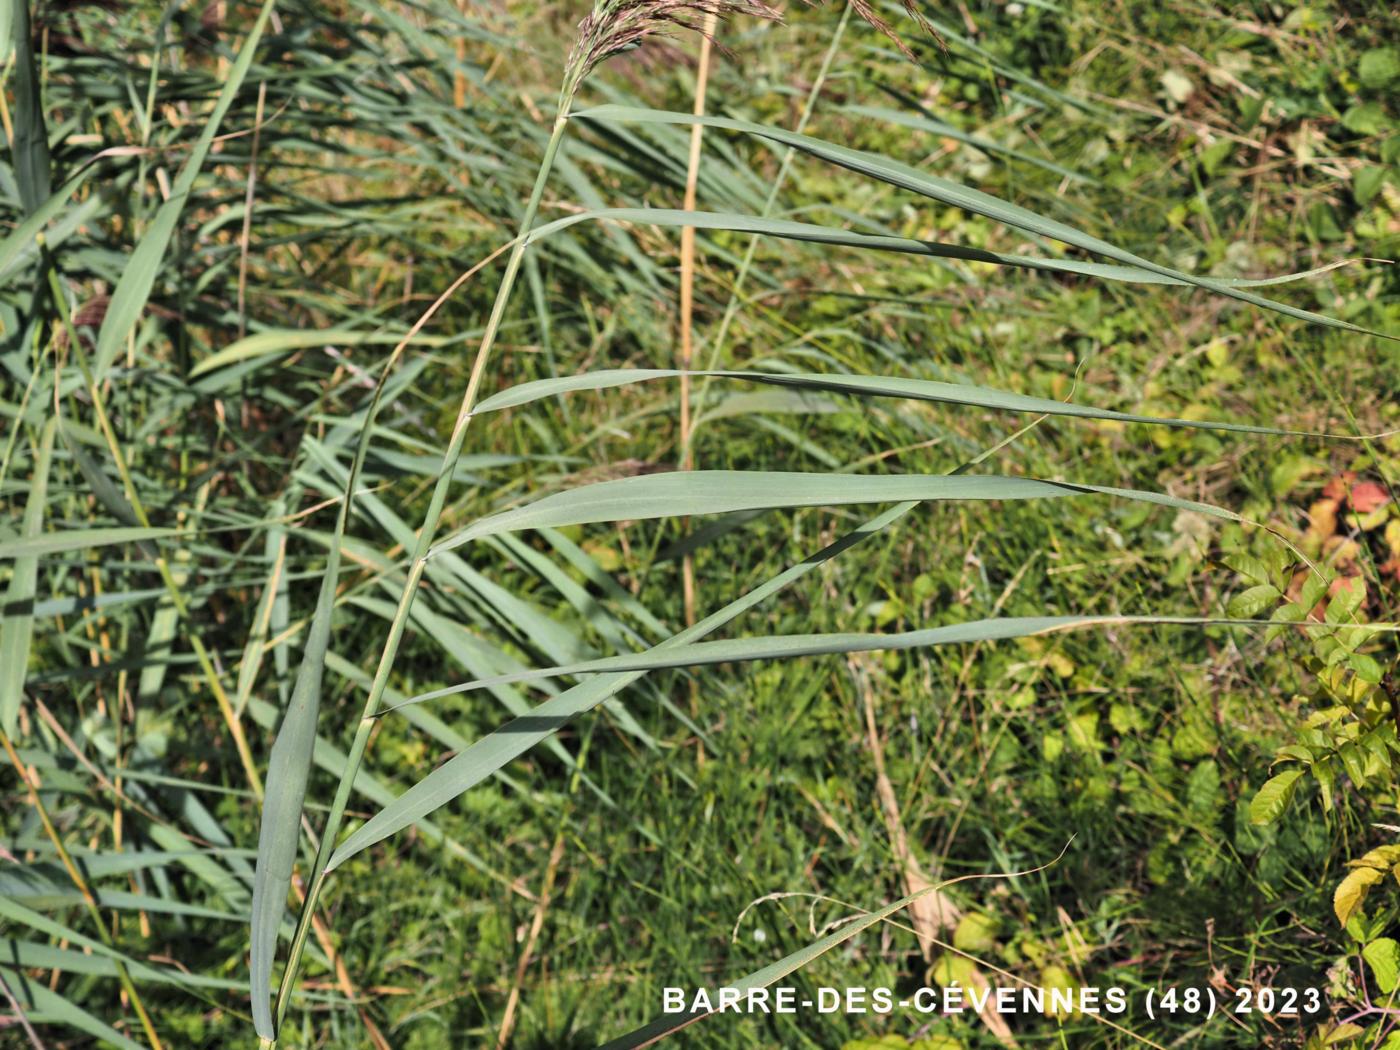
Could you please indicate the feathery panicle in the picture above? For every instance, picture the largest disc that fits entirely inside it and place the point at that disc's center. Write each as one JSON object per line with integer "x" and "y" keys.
{"x": 865, "y": 10}
{"x": 615, "y": 26}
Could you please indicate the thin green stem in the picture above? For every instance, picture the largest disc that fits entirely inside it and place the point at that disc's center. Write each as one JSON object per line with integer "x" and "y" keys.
{"x": 84, "y": 890}
{"x": 426, "y": 536}
{"x": 732, "y": 307}
{"x": 173, "y": 583}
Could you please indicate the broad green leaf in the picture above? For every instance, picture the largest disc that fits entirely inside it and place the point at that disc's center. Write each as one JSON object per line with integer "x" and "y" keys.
{"x": 1351, "y": 891}
{"x": 690, "y": 493}
{"x": 1313, "y": 590}
{"x": 963, "y": 197}
{"x": 1345, "y": 600}
{"x": 1367, "y": 668}
{"x": 138, "y": 277}
{"x": 1249, "y": 566}
{"x": 1273, "y": 798}
{"x": 17, "y": 618}
{"x": 858, "y": 385}
{"x": 1383, "y": 955}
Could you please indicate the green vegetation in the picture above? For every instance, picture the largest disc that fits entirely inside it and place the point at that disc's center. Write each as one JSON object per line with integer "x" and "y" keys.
{"x": 1024, "y": 614}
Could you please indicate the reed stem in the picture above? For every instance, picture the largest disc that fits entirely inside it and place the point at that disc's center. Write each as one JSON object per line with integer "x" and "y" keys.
{"x": 426, "y": 535}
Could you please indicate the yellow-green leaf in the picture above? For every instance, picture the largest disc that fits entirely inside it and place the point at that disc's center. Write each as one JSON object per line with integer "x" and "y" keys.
{"x": 1351, "y": 891}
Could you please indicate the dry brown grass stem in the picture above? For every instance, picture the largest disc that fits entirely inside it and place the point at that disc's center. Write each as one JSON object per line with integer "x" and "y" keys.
{"x": 687, "y": 291}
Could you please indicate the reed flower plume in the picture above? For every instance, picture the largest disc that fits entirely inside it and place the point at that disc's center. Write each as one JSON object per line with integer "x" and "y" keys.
{"x": 616, "y": 26}
{"x": 866, "y": 11}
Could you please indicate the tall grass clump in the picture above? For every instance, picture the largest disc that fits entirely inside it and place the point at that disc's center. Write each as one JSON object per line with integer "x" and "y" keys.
{"x": 615, "y": 27}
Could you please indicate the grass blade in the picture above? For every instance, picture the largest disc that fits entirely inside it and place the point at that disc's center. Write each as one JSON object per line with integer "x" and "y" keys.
{"x": 288, "y": 770}
{"x": 803, "y": 231}
{"x": 42, "y": 1005}
{"x": 139, "y": 275}
{"x": 497, "y": 749}
{"x": 17, "y": 620}
{"x": 862, "y": 385}
{"x": 792, "y": 646}
{"x": 31, "y": 145}
{"x": 691, "y": 493}
{"x": 964, "y": 197}
{"x": 81, "y": 539}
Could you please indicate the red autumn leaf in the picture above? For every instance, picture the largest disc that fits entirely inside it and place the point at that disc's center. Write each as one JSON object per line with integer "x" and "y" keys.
{"x": 1392, "y": 567}
{"x": 1337, "y": 488}
{"x": 1367, "y": 496}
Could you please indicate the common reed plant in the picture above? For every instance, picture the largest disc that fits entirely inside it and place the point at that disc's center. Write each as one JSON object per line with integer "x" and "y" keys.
{"x": 615, "y": 27}
{"x": 167, "y": 255}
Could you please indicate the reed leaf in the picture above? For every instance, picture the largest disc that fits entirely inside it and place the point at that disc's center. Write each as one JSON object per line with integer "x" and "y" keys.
{"x": 786, "y": 229}
{"x": 968, "y": 199}
{"x": 690, "y": 493}
{"x": 17, "y": 617}
{"x": 862, "y": 386}
{"x": 138, "y": 277}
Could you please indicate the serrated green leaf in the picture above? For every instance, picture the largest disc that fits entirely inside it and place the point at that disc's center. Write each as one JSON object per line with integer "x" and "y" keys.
{"x": 1250, "y": 603}
{"x": 1367, "y": 668}
{"x": 1346, "y": 600}
{"x": 1273, "y": 797}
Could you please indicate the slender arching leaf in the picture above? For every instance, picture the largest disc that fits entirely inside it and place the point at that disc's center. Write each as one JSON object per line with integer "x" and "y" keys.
{"x": 690, "y": 493}
{"x": 288, "y": 769}
{"x": 473, "y": 765}
{"x": 958, "y": 196}
{"x": 859, "y": 385}
{"x": 279, "y": 340}
{"x": 139, "y": 275}
{"x": 48, "y": 1007}
{"x": 787, "y": 647}
{"x": 918, "y": 122}
{"x": 21, "y": 243}
{"x": 30, "y": 149}
{"x": 17, "y": 617}
{"x": 80, "y": 539}
{"x": 787, "y": 229}
{"x": 667, "y": 1024}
